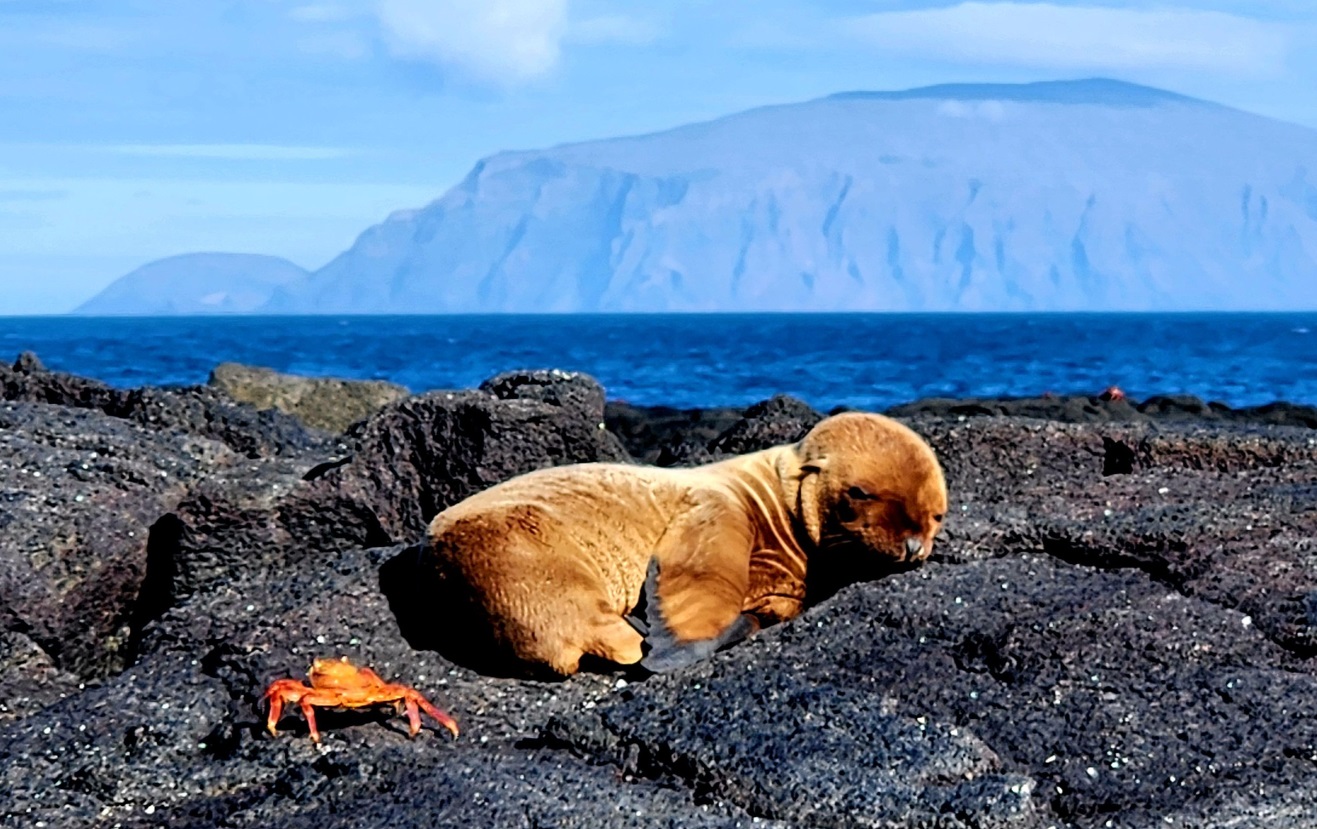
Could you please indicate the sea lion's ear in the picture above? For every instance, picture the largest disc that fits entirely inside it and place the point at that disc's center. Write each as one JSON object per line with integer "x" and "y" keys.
{"x": 811, "y": 466}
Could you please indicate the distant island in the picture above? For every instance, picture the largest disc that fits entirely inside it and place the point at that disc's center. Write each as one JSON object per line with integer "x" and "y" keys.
{"x": 1068, "y": 195}
{"x": 197, "y": 283}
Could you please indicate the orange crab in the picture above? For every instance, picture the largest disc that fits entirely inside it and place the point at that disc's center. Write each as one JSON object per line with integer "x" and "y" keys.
{"x": 337, "y": 683}
{"x": 1112, "y": 393}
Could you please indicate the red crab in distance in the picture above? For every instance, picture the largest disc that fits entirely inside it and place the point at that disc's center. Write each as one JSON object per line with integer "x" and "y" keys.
{"x": 337, "y": 683}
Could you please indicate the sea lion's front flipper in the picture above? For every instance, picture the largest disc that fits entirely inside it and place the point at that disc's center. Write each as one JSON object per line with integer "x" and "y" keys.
{"x": 669, "y": 652}
{"x": 640, "y": 625}
{"x": 695, "y": 588}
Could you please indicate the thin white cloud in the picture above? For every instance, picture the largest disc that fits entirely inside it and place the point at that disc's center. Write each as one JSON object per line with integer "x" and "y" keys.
{"x": 1078, "y": 37}
{"x": 345, "y": 45}
{"x": 234, "y": 152}
{"x": 615, "y": 28}
{"x": 803, "y": 33}
{"x": 76, "y": 36}
{"x": 503, "y": 41}
{"x": 321, "y": 13}
{"x": 31, "y": 195}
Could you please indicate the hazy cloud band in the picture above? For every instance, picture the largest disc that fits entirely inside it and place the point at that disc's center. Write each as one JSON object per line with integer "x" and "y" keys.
{"x": 1078, "y": 37}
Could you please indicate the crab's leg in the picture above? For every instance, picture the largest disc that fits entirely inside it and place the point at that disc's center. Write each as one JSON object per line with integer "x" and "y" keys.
{"x": 280, "y": 693}
{"x": 414, "y": 718}
{"x": 308, "y": 711}
{"x": 276, "y": 708}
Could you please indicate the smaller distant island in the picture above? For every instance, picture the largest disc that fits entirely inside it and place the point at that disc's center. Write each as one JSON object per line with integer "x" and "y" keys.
{"x": 195, "y": 284}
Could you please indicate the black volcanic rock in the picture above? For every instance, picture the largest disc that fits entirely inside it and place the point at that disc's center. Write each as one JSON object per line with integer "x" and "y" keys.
{"x": 1021, "y": 691}
{"x": 647, "y": 431}
{"x": 1096, "y": 409}
{"x": 1176, "y": 407}
{"x": 408, "y": 462}
{"x": 179, "y": 740}
{"x": 92, "y": 482}
{"x": 258, "y": 518}
{"x": 1279, "y": 413}
{"x": 778, "y": 420}
{"x": 1067, "y": 409}
{"x": 1117, "y": 628}
{"x": 29, "y": 678}
{"x": 425, "y": 453}
{"x": 207, "y": 412}
{"x": 198, "y": 410}
{"x": 80, "y": 495}
{"x": 28, "y": 380}
{"x": 793, "y": 748}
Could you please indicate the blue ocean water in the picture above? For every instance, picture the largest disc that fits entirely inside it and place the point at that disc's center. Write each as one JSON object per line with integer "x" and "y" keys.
{"x": 862, "y": 360}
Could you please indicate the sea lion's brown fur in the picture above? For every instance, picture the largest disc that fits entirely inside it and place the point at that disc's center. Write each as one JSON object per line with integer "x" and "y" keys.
{"x": 552, "y": 561}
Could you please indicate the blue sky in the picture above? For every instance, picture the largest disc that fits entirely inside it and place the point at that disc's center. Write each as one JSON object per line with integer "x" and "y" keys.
{"x": 136, "y": 129}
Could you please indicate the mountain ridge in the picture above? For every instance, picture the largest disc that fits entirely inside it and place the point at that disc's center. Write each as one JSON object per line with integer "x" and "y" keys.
{"x": 1059, "y": 195}
{"x": 1079, "y": 91}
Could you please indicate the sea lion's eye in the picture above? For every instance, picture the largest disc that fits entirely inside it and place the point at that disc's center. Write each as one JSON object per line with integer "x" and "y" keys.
{"x": 857, "y": 494}
{"x": 938, "y": 518}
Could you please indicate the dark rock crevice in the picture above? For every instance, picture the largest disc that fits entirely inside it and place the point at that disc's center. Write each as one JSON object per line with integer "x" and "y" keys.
{"x": 1117, "y": 457}
{"x": 157, "y": 591}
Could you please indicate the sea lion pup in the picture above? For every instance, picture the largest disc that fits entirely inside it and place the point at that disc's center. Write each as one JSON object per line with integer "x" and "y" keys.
{"x": 550, "y": 564}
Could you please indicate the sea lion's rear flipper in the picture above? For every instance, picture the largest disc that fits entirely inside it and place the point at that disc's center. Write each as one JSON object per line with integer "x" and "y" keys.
{"x": 666, "y": 651}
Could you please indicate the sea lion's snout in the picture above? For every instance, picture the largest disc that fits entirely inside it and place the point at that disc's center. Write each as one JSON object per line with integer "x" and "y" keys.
{"x": 914, "y": 548}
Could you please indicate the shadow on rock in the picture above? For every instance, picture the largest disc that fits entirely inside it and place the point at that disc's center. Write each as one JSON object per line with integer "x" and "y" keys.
{"x": 832, "y": 570}
{"x": 434, "y": 615}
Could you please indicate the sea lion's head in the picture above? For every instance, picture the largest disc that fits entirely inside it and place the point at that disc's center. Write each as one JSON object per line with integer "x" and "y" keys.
{"x": 871, "y": 485}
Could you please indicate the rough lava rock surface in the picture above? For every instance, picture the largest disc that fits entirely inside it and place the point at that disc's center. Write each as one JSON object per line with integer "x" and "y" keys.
{"x": 80, "y": 494}
{"x": 646, "y": 431}
{"x": 428, "y": 452}
{"x": 90, "y": 479}
{"x": 195, "y": 410}
{"x": 1117, "y": 629}
{"x": 325, "y": 403}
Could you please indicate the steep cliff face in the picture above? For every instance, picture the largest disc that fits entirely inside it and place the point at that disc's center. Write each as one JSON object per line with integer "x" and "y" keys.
{"x": 1081, "y": 195}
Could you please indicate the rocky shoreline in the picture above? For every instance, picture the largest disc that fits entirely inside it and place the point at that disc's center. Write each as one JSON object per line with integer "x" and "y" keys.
{"x": 1118, "y": 628}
